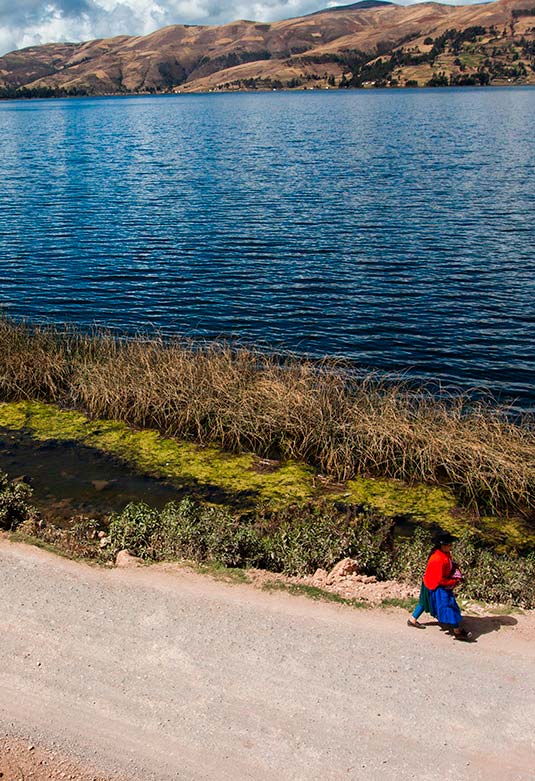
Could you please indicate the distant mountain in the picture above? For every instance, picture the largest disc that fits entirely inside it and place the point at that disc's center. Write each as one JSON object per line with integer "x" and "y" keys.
{"x": 361, "y": 6}
{"x": 369, "y": 43}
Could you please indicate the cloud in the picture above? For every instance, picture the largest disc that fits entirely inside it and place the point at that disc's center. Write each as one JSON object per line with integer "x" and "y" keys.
{"x": 30, "y": 22}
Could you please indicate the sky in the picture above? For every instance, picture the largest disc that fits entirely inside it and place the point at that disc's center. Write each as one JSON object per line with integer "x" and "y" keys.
{"x": 30, "y": 22}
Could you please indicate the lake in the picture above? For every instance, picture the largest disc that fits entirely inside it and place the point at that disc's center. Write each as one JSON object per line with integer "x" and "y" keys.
{"x": 394, "y": 228}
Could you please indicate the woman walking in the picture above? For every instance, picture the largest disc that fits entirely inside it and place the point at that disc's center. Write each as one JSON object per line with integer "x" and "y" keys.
{"x": 436, "y": 594}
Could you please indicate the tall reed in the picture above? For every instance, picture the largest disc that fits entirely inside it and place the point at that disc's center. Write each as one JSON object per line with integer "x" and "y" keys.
{"x": 242, "y": 399}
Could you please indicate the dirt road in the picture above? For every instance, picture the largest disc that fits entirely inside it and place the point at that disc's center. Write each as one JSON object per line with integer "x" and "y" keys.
{"x": 168, "y": 675}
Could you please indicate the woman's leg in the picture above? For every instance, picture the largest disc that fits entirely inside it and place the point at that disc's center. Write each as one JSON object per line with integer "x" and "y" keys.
{"x": 418, "y": 610}
{"x": 413, "y": 620}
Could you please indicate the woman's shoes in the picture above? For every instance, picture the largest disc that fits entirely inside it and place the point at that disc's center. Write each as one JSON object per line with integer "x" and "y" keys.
{"x": 465, "y": 636}
{"x": 462, "y": 634}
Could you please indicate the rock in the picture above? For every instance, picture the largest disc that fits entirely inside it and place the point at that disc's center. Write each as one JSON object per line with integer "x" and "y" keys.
{"x": 320, "y": 576}
{"x": 101, "y": 485}
{"x": 104, "y": 542}
{"x": 101, "y": 534}
{"x": 343, "y": 569}
{"x": 125, "y": 559}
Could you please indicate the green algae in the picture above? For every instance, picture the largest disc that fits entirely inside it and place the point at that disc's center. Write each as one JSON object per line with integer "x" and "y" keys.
{"x": 424, "y": 503}
{"x": 242, "y": 480}
{"x": 177, "y": 461}
{"x": 505, "y": 533}
{"x": 431, "y": 506}
{"x": 12, "y": 416}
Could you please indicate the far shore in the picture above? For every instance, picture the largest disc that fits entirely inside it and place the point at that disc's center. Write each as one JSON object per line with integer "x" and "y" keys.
{"x": 179, "y": 92}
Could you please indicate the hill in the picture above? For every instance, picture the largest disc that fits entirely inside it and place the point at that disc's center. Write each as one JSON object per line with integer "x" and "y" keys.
{"x": 371, "y": 43}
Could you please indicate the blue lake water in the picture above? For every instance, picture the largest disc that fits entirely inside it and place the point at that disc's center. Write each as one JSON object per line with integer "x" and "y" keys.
{"x": 395, "y": 228}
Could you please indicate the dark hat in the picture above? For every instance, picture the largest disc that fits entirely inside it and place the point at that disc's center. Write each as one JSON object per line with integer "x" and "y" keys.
{"x": 444, "y": 538}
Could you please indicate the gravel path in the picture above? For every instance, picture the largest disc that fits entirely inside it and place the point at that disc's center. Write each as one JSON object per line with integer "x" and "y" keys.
{"x": 163, "y": 674}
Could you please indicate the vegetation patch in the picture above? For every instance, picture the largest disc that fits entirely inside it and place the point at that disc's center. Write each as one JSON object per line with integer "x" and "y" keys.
{"x": 14, "y": 503}
{"x": 175, "y": 408}
{"x": 220, "y": 572}
{"x": 434, "y": 506}
{"x": 290, "y": 541}
{"x": 405, "y": 604}
{"x": 300, "y": 540}
{"x": 312, "y": 592}
{"x": 236, "y": 476}
{"x": 422, "y": 503}
{"x": 240, "y": 482}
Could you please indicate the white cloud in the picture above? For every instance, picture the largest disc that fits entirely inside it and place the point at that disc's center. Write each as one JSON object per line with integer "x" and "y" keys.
{"x": 30, "y": 22}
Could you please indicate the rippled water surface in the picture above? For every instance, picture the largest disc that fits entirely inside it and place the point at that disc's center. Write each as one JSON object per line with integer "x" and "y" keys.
{"x": 395, "y": 228}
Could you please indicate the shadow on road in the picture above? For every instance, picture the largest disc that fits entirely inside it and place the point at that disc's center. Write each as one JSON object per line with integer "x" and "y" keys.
{"x": 483, "y": 625}
{"x": 478, "y": 625}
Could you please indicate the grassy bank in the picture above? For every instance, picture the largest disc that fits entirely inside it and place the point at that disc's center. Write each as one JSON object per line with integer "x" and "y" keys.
{"x": 316, "y": 413}
{"x": 240, "y": 482}
{"x": 295, "y": 540}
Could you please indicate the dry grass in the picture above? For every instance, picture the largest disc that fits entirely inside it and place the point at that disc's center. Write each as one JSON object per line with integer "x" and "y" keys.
{"x": 316, "y": 412}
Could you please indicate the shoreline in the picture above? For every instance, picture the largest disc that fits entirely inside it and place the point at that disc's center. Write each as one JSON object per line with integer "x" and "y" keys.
{"x": 256, "y": 484}
{"x": 297, "y": 537}
{"x": 244, "y": 401}
{"x": 263, "y": 91}
{"x": 515, "y": 401}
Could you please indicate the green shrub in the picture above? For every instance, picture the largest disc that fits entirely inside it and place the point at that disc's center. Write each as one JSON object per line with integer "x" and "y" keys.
{"x": 134, "y": 528}
{"x": 507, "y": 579}
{"x": 410, "y": 556}
{"x": 193, "y": 531}
{"x": 300, "y": 539}
{"x": 84, "y": 529}
{"x": 185, "y": 530}
{"x": 14, "y": 503}
{"x": 295, "y": 540}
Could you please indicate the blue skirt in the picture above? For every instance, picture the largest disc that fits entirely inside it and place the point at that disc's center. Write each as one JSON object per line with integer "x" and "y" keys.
{"x": 444, "y": 606}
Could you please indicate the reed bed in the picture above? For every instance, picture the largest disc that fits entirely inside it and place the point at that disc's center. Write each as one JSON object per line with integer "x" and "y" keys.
{"x": 279, "y": 406}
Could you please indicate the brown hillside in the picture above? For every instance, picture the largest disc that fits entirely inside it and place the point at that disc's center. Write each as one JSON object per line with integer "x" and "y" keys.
{"x": 378, "y": 44}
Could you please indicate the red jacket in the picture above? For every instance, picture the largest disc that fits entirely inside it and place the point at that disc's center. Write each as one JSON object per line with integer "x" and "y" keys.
{"x": 438, "y": 571}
